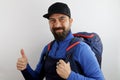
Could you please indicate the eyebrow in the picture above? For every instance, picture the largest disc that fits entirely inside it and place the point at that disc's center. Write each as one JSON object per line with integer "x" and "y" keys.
{"x": 63, "y": 17}
{"x": 51, "y": 18}
{"x": 59, "y": 17}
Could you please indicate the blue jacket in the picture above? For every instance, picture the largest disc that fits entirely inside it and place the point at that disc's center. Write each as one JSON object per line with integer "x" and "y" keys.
{"x": 82, "y": 54}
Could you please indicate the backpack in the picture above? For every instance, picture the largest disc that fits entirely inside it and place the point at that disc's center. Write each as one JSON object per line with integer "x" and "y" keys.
{"x": 92, "y": 39}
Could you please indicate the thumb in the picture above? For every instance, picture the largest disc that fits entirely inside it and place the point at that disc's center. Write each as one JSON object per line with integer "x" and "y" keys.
{"x": 23, "y": 53}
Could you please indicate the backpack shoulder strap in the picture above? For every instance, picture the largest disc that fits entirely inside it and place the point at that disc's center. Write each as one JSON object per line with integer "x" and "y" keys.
{"x": 69, "y": 55}
{"x": 75, "y": 41}
{"x": 48, "y": 49}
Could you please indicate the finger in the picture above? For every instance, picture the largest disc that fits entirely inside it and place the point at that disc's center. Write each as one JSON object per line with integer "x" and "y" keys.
{"x": 58, "y": 63}
{"x": 20, "y": 67}
{"x": 60, "y": 66}
{"x": 23, "y": 53}
{"x": 58, "y": 69}
{"x": 21, "y": 63}
{"x": 62, "y": 62}
{"x": 20, "y": 60}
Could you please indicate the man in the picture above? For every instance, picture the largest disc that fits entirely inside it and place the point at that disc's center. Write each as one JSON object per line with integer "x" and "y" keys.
{"x": 54, "y": 66}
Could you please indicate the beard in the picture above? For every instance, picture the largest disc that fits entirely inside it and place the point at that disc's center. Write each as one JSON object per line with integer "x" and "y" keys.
{"x": 59, "y": 36}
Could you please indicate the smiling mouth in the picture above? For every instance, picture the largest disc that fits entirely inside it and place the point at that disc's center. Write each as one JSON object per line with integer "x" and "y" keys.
{"x": 59, "y": 30}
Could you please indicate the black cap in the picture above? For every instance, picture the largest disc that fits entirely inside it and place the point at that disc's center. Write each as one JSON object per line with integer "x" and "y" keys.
{"x": 58, "y": 7}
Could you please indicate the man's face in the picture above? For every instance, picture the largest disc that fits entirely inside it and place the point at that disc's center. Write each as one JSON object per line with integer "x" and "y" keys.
{"x": 60, "y": 25}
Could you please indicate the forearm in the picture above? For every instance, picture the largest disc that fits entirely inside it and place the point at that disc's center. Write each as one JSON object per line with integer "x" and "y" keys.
{"x": 77, "y": 76}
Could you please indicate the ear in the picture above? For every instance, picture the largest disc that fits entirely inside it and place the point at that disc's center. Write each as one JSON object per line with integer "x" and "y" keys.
{"x": 71, "y": 20}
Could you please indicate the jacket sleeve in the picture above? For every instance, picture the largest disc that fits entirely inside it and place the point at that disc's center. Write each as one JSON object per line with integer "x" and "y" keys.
{"x": 87, "y": 60}
{"x": 28, "y": 73}
{"x": 37, "y": 74}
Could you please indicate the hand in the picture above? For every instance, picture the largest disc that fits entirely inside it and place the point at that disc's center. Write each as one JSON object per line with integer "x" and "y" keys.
{"x": 22, "y": 62}
{"x": 63, "y": 69}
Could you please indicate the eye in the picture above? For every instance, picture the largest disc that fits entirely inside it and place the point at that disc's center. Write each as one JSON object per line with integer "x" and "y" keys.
{"x": 62, "y": 18}
{"x": 51, "y": 20}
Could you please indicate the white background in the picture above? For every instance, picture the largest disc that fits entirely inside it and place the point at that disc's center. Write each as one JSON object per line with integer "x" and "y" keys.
{"x": 22, "y": 26}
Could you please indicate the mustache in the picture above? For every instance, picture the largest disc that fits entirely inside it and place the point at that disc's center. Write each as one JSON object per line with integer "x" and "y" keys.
{"x": 58, "y": 28}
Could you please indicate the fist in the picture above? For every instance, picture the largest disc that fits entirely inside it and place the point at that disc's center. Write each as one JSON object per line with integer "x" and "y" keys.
{"x": 63, "y": 69}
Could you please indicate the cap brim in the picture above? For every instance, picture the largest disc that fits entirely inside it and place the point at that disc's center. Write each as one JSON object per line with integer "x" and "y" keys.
{"x": 46, "y": 16}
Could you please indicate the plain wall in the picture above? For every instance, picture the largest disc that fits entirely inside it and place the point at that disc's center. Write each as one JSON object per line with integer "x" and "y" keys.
{"x": 22, "y": 26}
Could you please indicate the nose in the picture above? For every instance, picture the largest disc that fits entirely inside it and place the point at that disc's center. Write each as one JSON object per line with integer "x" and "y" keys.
{"x": 57, "y": 23}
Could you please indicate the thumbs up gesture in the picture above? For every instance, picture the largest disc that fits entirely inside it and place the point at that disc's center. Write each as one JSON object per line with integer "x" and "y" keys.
{"x": 22, "y": 61}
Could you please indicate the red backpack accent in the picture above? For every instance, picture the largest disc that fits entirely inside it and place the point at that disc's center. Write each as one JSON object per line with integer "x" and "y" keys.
{"x": 72, "y": 45}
